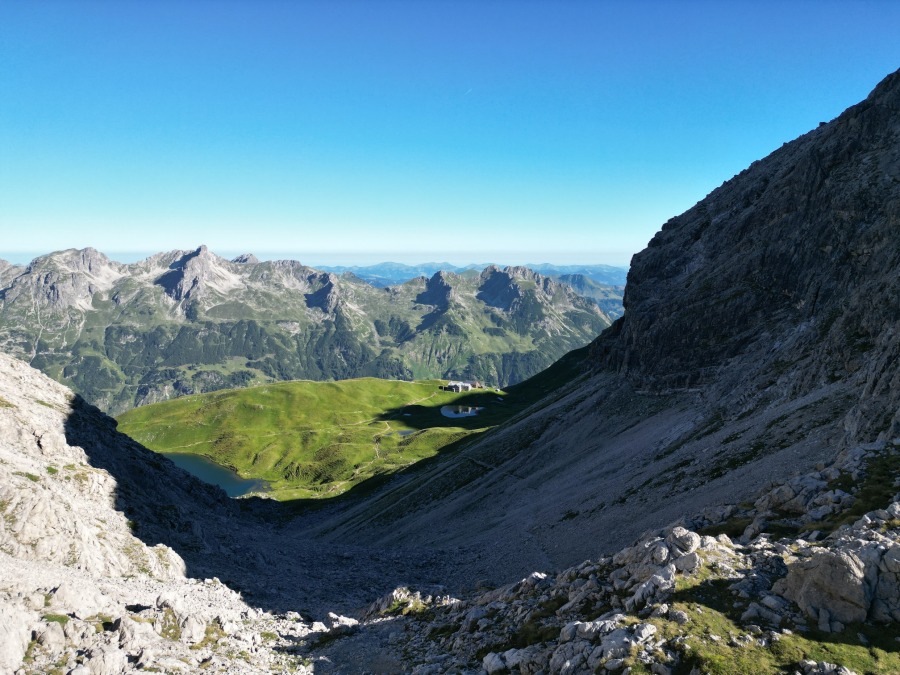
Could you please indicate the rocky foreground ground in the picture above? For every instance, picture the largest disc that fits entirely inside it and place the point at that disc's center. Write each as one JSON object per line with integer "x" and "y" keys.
{"x": 806, "y": 579}
{"x": 679, "y": 601}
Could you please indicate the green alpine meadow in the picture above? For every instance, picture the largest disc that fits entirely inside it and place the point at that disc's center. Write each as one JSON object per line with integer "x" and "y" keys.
{"x": 320, "y": 439}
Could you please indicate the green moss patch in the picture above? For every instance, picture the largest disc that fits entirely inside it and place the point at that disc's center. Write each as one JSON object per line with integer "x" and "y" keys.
{"x": 29, "y": 476}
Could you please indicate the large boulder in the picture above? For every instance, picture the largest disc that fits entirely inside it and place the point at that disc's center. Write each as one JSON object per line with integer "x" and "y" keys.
{"x": 829, "y": 580}
{"x": 886, "y": 603}
{"x": 107, "y": 660}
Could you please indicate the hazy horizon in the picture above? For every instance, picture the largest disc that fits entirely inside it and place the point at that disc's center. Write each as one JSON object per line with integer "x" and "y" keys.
{"x": 335, "y": 259}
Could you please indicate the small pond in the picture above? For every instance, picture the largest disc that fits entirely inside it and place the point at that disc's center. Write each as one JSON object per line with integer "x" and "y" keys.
{"x": 210, "y": 472}
{"x": 403, "y": 433}
{"x": 460, "y": 411}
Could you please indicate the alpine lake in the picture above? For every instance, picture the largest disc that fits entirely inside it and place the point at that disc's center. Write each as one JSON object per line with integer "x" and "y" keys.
{"x": 210, "y": 472}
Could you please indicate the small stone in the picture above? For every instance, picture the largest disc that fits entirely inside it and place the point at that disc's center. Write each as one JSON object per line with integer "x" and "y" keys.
{"x": 644, "y": 632}
{"x": 683, "y": 541}
{"x": 569, "y": 631}
{"x": 52, "y": 637}
{"x": 688, "y": 563}
{"x": 679, "y": 617}
{"x": 513, "y": 657}
{"x": 338, "y": 620}
{"x": 193, "y": 630}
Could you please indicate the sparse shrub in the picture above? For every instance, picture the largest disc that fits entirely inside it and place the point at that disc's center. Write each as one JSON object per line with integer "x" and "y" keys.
{"x": 169, "y": 628}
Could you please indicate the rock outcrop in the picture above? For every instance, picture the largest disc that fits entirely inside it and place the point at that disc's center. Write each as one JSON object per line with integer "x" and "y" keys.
{"x": 78, "y": 588}
{"x": 677, "y": 600}
{"x": 781, "y": 280}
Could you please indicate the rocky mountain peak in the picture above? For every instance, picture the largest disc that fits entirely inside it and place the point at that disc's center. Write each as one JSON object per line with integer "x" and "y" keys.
{"x": 498, "y": 287}
{"x": 246, "y": 259}
{"x": 87, "y": 260}
{"x": 502, "y": 287}
{"x": 328, "y": 296}
{"x": 197, "y": 273}
{"x": 64, "y": 280}
{"x": 439, "y": 290}
{"x": 8, "y": 272}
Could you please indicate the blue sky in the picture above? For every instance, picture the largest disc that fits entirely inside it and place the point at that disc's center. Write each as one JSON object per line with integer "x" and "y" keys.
{"x": 348, "y": 132}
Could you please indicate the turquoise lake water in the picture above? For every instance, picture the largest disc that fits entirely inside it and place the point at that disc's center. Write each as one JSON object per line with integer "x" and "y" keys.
{"x": 210, "y": 472}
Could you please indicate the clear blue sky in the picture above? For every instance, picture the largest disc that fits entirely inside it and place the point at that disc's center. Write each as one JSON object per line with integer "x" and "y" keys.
{"x": 362, "y": 131}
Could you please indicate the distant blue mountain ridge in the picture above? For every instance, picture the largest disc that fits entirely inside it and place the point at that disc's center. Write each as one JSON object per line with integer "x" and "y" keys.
{"x": 391, "y": 273}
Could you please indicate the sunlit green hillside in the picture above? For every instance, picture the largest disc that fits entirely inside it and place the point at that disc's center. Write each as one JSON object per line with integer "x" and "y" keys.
{"x": 318, "y": 439}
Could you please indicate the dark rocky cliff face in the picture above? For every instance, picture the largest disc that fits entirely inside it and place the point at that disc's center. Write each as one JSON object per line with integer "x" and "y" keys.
{"x": 788, "y": 270}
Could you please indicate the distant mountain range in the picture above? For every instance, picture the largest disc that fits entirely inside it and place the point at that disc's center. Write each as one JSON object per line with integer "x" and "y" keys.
{"x": 190, "y": 321}
{"x": 604, "y": 284}
{"x": 391, "y": 273}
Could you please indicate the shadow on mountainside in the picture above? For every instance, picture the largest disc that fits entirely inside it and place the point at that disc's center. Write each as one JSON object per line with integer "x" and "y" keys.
{"x": 252, "y": 545}
{"x": 170, "y": 280}
{"x": 492, "y": 410}
{"x": 495, "y": 411}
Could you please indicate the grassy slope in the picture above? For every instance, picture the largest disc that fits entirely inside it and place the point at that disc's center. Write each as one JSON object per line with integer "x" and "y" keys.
{"x": 315, "y": 439}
